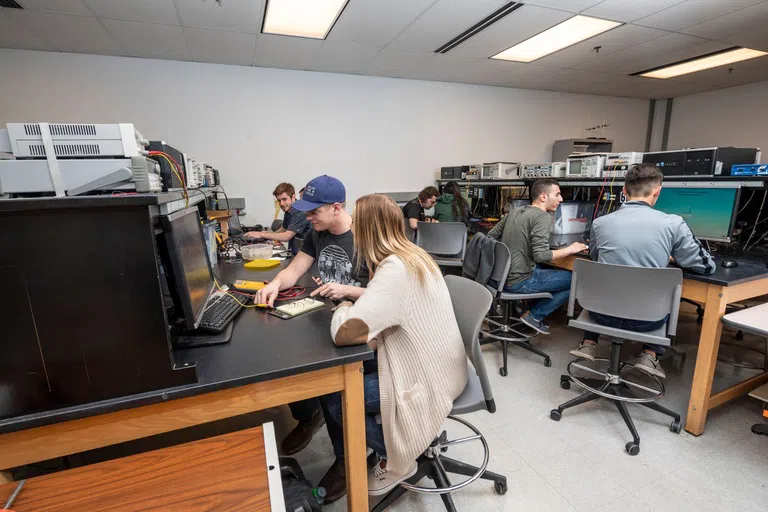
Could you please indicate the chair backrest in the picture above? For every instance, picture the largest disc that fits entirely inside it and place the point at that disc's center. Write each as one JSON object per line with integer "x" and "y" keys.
{"x": 501, "y": 263}
{"x": 471, "y": 302}
{"x": 442, "y": 237}
{"x": 627, "y": 292}
{"x": 276, "y": 224}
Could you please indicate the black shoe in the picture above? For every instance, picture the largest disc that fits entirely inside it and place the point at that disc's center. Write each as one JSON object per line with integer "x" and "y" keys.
{"x": 300, "y": 436}
{"x": 531, "y": 322}
{"x": 335, "y": 481}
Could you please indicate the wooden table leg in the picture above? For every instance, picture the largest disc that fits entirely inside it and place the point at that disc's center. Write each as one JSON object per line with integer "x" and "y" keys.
{"x": 354, "y": 438}
{"x": 5, "y": 477}
{"x": 709, "y": 343}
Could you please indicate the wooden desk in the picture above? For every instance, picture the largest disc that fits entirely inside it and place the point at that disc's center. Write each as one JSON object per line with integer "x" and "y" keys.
{"x": 714, "y": 292}
{"x": 227, "y": 472}
{"x": 269, "y": 362}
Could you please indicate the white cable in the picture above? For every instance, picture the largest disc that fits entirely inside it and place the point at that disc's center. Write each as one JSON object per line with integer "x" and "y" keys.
{"x": 757, "y": 220}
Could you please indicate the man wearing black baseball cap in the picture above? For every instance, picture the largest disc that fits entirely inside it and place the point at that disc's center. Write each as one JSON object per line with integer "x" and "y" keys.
{"x": 330, "y": 244}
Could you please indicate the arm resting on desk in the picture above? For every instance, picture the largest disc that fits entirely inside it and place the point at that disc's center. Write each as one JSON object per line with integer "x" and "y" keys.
{"x": 300, "y": 265}
{"x": 278, "y": 236}
{"x": 383, "y": 305}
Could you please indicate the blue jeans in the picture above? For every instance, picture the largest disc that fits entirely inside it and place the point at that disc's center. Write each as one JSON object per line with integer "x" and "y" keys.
{"x": 628, "y": 325}
{"x": 374, "y": 432}
{"x": 556, "y": 282}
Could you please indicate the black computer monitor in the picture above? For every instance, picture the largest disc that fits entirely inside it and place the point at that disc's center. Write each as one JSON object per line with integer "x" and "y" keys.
{"x": 709, "y": 212}
{"x": 189, "y": 273}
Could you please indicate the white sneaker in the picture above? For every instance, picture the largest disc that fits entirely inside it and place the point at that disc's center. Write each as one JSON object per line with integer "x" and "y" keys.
{"x": 381, "y": 481}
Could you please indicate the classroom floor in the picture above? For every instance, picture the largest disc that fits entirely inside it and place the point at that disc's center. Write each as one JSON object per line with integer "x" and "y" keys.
{"x": 579, "y": 463}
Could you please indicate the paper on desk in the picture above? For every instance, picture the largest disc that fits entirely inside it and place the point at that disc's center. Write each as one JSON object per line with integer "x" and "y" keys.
{"x": 276, "y": 258}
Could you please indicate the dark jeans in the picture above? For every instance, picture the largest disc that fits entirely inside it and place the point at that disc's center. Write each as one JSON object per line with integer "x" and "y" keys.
{"x": 628, "y": 325}
{"x": 556, "y": 282}
{"x": 332, "y": 408}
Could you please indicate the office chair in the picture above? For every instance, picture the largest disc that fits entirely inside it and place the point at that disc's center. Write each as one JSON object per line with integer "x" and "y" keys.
{"x": 445, "y": 241}
{"x": 507, "y": 327}
{"x": 276, "y": 224}
{"x": 470, "y": 303}
{"x": 654, "y": 293}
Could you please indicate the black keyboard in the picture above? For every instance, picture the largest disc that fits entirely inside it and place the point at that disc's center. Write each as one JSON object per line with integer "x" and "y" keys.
{"x": 221, "y": 310}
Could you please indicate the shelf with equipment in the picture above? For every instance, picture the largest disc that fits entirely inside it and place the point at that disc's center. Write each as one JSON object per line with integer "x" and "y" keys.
{"x": 684, "y": 182}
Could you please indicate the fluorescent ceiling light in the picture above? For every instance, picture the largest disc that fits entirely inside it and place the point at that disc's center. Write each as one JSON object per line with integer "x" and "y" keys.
{"x": 560, "y": 36}
{"x": 711, "y": 60}
{"x": 301, "y": 18}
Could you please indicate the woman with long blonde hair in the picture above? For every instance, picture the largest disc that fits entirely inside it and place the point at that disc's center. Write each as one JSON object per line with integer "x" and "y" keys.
{"x": 406, "y": 314}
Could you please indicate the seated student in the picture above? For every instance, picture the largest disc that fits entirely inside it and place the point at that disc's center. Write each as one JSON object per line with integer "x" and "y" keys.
{"x": 451, "y": 206}
{"x": 295, "y": 223}
{"x": 405, "y": 314}
{"x": 330, "y": 245}
{"x": 413, "y": 211}
{"x": 525, "y": 231}
{"x": 640, "y": 236}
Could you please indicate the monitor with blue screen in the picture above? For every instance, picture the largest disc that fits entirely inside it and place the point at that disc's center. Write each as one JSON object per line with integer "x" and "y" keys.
{"x": 710, "y": 212}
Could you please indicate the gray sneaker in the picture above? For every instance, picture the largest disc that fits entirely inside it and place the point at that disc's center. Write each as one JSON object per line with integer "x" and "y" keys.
{"x": 650, "y": 365}
{"x": 586, "y": 351}
{"x": 537, "y": 325}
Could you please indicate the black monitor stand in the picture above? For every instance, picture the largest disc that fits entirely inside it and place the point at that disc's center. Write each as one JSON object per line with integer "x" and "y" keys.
{"x": 194, "y": 339}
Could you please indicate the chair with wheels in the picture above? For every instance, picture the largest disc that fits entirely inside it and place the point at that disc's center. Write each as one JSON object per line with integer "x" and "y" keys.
{"x": 276, "y": 224}
{"x": 470, "y": 303}
{"x": 504, "y": 324}
{"x": 446, "y": 242}
{"x": 653, "y": 293}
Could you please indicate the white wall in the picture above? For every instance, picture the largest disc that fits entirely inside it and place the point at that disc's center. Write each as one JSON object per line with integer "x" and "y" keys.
{"x": 262, "y": 126}
{"x": 737, "y": 116}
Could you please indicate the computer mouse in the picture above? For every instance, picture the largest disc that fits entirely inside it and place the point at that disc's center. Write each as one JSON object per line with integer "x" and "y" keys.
{"x": 729, "y": 264}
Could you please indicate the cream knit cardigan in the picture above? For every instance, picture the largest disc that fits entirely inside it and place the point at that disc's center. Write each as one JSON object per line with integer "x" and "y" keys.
{"x": 422, "y": 362}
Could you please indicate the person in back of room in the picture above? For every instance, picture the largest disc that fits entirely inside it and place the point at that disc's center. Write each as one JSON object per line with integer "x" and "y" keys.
{"x": 638, "y": 235}
{"x": 451, "y": 206}
{"x": 407, "y": 316}
{"x": 413, "y": 211}
{"x": 330, "y": 245}
{"x": 295, "y": 223}
{"x": 525, "y": 231}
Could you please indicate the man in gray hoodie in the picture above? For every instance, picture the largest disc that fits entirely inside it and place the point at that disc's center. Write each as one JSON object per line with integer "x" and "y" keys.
{"x": 640, "y": 236}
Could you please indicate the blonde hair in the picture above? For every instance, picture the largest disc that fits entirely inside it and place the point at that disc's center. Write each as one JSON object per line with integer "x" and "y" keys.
{"x": 379, "y": 229}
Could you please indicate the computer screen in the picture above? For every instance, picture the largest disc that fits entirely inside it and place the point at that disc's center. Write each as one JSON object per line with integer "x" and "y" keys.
{"x": 190, "y": 272}
{"x": 709, "y": 212}
{"x": 573, "y": 218}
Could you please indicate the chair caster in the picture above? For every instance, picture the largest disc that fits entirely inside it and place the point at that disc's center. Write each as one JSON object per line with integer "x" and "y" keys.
{"x": 547, "y": 362}
{"x": 503, "y": 371}
{"x": 501, "y": 487}
{"x": 565, "y": 384}
{"x": 632, "y": 448}
{"x": 675, "y": 427}
{"x": 555, "y": 414}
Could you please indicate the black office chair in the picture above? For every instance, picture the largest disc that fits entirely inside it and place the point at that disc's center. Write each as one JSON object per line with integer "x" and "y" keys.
{"x": 470, "y": 303}
{"x": 276, "y": 224}
{"x": 652, "y": 294}
{"x": 446, "y": 242}
{"x": 507, "y": 327}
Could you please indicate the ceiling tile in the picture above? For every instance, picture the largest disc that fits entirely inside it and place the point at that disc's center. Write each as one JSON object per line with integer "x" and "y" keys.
{"x": 396, "y": 63}
{"x": 566, "y": 5}
{"x": 66, "y": 33}
{"x": 609, "y": 42}
{"x": 285, "y": 51}
{"x": 628, "y": 60}
{"x": 510, "y": 30}
{"x": 756, "y": 39}
{"x": 628, "y": 10}
{"x": 746, "y": 20}
{"x": 220, "y": 46}
{"x": 61, "y": 6}
{"x": 335, "y": 57}
{"x": 13, "y": 35}
{"x": 445, "y": 20}
{"x": 157, "y": 11}
{"x": 237, "y": 15}
{"x": 374, "y": 22}
{"x": 692, "y": 12}
{"x": 150, "y": 40}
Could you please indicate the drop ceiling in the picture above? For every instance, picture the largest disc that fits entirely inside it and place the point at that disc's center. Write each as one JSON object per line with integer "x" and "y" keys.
{"x": 398, "y": 38}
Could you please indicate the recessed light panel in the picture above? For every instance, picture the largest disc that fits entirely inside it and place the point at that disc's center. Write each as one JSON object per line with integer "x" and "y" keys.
{"x": 302, "y": 18}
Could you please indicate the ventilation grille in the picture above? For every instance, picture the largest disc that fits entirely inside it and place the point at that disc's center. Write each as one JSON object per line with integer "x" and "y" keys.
{"x": 73, "y": 129}
{"x": 31, "y": 129}
{"x": 66, "y": 149}
{"x": 478, "y": 27}
{"x": 10, "y": 4}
